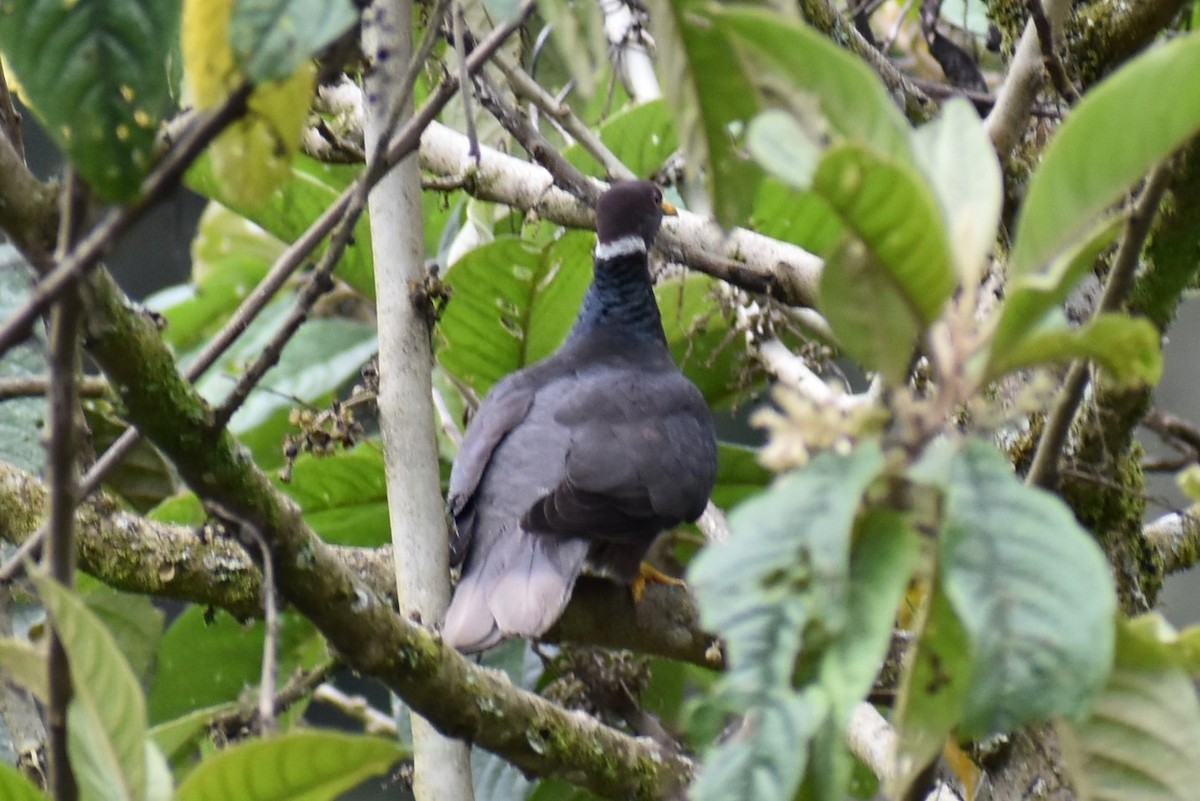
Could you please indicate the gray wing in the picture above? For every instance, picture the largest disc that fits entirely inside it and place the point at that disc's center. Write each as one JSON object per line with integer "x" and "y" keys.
{"x": 642, "y": 458}
{"x": 502, "y": 410}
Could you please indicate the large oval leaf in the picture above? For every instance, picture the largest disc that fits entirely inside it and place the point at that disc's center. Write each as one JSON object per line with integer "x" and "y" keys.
{"x": 851, "y": 96}
{"x": 709, "y": 96}
{"x": 1142, "y": 740}
{"x": 1128, "y": 123}
{"x": 270, "y": 38}
{"x": 1032, "y": 591}
{"x": 96, "y": 73}
{"x": 298, "y": 766}
{"x": 107, "y": 715}
{"x": 890, "y": 209}
{"x": 785, "y": 564}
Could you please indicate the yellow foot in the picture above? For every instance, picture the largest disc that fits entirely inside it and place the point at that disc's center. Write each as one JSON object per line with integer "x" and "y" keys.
{"x": 646, "y": 575}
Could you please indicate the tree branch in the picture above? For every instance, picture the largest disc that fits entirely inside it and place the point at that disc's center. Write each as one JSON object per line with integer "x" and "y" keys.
{"x": 1043, "y": 471}
{"x": 743, "y": 258}
{"x": 132, "y": 554}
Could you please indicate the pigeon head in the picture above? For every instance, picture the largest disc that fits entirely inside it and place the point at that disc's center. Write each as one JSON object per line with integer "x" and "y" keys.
{"x": 628, "y": 216}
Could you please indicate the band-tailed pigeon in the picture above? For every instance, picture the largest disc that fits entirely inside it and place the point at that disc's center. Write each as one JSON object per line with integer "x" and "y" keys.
{"x": 584, "y": 457}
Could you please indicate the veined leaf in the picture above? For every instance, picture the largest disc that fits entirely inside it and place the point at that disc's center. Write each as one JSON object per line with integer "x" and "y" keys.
{"x": 343, "y": 495}
{"x": 1041, "y": 638}
{"x": 886, "y": 551}
{"x": 709, "y": 97}
{"x": 766, "y": 757}
{"x": 888, "y": 206}
{"x": 959, "y": 162}
{"x": 783, "y": 148}
{"x": 850, "y": 95}
{"x": 270, "y": 38}
{"x": 107, "y": 714}
{"x": 785, "y": 564}
{"x": 297, "y": 766}
{"x": 512, "y": 304}
{"x": 95, "y": 71}
{"x": 932, "y": 691}
{"x": 176, "y": 736}
{"x": 1142, "y": 740}
{"x": 1128, "y": 123}
{"x": 869, "y": 315}
{"x": 1126, "y": 347}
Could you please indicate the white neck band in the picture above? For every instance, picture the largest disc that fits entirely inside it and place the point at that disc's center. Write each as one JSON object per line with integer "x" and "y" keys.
{"x": 625, "y": 246}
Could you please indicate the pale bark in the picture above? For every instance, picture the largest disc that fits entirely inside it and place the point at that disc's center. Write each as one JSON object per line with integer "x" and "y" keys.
{"x": 415, "y": 507}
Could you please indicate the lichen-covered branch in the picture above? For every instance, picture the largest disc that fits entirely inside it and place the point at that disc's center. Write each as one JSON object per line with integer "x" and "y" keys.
{"x": 130, "y": 553}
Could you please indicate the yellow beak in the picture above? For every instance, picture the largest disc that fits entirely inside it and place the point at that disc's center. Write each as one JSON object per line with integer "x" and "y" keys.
{"x": 669, "y": 210}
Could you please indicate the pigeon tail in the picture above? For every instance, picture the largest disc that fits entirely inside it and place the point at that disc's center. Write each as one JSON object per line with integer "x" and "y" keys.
{"x": 520, "y": 589}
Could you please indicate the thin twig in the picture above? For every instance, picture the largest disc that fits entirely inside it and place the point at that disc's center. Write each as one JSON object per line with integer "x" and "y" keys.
{"x": 460, "y": 49}
{"x": 156, "y": 185}
{"x": 63, "y": 401}
{"x": 1054, "y": 64}
{"x": 358, "y": 708}
{"x": 301, "y": 685}
{"x": 37, "y": 385}
{"x": 1044, "y": 469}
{"x": 565, "y": 174}
{"x": 525, "y": 86}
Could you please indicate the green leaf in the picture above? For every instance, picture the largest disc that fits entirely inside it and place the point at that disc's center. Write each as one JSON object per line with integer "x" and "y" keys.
{"x": 134, "y": 621}
{"x": 270, "y": 38}
{"x": 1142, "y": 740}
{"x": 739, "y": 474}
{"x": 15, "y": 787}
{"x": 230, "y": 255}
{"x": 513, "y": 303}
{"x": 784, "y": 566}
{"x": 765, "y": 759}
{"x": 709, "y": 95}
{"x": 297, "y": 766}
{"x": 1041, "y": 636}
{"x": 783, "y": 148}
{"x": 577, "y": 32}
{"x": 1126, "y": 347}
{"x": 868, "y": 314}
{"x": 292, "y": 207}
{"x": 958, "y": 160}
{"x": 190, "y": 678}
{"x": 641, "y": 136}
{"x": 698, "y": 334}
{"x": 95, "y": 71}
{"x": 890, "y": 208}
{"x": 933, "y": 690}
{"x": 788, "y": 58}
{"x": 343, "y": 495}
{"x": 107, "y": 714}
{"x": 1030, "y": 296}
{"x": 24, "y": 665}
{"x": 886, "y": 552}
{"x": 176, "y": 737}
{"x": 1067, "y": 193}
{"x": 801, "y": 218}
